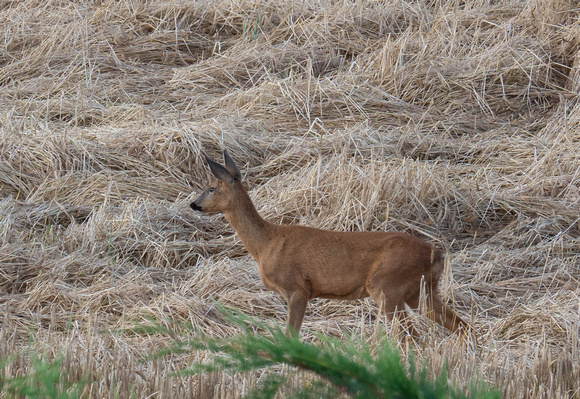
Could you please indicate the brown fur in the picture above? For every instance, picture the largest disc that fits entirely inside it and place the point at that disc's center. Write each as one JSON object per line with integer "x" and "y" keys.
{"x": 301, "y": 263}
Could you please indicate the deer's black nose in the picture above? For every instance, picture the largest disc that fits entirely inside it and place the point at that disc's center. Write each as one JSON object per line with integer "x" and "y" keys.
{"x": 195, "y": 207}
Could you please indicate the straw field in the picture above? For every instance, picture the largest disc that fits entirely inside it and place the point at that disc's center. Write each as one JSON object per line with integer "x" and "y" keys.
{"x": 455, "y": 121}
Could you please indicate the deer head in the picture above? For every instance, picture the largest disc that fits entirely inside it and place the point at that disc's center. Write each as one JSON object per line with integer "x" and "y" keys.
{"x": 222, "y": 192}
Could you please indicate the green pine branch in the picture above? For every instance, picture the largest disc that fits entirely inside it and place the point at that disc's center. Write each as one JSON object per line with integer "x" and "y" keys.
{"x": 343, "y": 366}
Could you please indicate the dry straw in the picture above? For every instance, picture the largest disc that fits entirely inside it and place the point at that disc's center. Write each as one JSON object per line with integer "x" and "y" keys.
{"x": 456, "y": 121}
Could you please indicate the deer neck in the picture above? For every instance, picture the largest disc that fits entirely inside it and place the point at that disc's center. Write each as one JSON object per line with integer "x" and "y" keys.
{"x": 254, "y": 232}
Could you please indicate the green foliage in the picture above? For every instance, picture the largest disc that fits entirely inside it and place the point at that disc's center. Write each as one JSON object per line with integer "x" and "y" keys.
{"x": 341, "y": 367}
{"x": 43, "y": 380}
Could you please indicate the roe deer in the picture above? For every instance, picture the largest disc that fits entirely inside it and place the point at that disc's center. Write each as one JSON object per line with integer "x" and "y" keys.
{"x": 301, "y": 263}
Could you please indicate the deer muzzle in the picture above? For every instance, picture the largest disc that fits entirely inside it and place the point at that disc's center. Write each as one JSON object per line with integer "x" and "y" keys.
{"x": 195, "y": 207}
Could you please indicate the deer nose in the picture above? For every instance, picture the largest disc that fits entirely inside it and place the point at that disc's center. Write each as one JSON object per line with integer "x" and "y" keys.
{"x": 195, "y": 207}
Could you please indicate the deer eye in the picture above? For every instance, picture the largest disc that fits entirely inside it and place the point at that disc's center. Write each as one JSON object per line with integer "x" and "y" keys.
{"x": 211, "y": 189}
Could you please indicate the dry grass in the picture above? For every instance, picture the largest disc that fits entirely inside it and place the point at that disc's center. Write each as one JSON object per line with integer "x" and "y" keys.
{"x": 457, "y": 121}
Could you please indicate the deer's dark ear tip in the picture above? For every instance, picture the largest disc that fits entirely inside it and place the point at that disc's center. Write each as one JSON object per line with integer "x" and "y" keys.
{"x": 226, "y": 155}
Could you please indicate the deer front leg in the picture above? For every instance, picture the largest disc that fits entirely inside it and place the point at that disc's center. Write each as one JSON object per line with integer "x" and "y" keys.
{"x": 297, "y": 302}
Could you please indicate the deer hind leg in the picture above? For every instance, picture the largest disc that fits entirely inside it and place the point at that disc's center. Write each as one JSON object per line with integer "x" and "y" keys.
{"x": 297, "y": 302}
{"x": 438, "y": 312}
{"x": 392, "y": 304}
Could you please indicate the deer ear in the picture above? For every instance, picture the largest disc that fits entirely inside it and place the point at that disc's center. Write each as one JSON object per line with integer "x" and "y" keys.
{"x": 219, "y": 171}
{"x": 231, "y": 166}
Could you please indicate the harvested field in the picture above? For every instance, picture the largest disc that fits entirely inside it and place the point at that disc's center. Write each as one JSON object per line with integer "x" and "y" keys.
{"x": 455, "y": 121}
